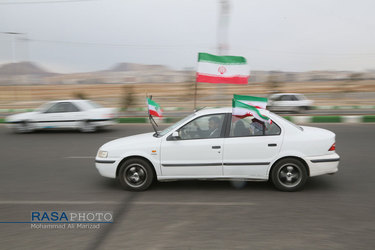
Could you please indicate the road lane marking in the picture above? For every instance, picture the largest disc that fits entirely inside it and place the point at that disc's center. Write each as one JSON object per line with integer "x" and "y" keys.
{"x": 58, "y": 202}
{"x": 80, "y": 157}
{"x": 143, "y": 203}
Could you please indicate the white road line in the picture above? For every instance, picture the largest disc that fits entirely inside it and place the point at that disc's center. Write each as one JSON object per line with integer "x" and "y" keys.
{"x": 58, "y": 202}
{"x": 80, "y": 157}
{"x": 143, "y": 203}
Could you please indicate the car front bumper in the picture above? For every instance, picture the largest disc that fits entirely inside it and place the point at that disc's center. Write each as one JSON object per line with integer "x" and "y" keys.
{"x": 324, "y": 164}
{"x": 106, "y": 167}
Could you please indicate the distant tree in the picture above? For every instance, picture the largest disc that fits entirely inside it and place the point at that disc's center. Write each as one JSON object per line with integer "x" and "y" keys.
{"x": 79, "y": 95}
{"x": 273, "y": 82}
{"x": 127, "y": 97}
{"x": 353, "y": 78}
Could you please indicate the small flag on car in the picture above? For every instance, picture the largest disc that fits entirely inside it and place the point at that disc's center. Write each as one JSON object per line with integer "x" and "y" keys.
{"x": 154, "y": 108}
{"x": 241, "y": 109}
{"x": 258, "y": 102}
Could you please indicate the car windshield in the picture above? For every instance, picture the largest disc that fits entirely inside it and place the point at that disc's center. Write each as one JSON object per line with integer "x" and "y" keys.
{"x": 170, "y": 128}
{"x": 93, "y": 105}
{"x": 301, "y": 97}
{"x": 287, "y": 121}
{"x": 44, "y": 107}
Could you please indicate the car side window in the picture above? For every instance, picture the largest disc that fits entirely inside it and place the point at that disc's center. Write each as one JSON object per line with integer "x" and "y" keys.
{"x": 294, "y": 98}
{"x": 62, "y": 107}
{"x": 70, "y": 107}
{"x": 204, "y": 127}
{"x": 250, "y": 126}
{"x": 286, "y": 98}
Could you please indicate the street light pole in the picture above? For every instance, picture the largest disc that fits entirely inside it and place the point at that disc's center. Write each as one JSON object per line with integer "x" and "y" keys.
{"x": 13, "y": 34}
{"x": 222, "y": 42}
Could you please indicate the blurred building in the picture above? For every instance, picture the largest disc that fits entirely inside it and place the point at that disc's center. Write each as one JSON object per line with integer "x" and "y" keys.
{"x": 27, "y": 73}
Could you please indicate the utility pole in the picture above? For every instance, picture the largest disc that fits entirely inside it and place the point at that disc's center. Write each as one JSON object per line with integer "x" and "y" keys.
{"x": 222, "y": 42}
{"x": 13, "y": 35}
{"x": 222, "y": 31}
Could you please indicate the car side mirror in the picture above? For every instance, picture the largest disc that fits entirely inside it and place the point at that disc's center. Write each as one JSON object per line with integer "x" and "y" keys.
{"x": 174, "y": 136}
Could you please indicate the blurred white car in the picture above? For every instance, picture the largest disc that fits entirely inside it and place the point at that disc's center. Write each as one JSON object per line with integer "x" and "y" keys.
{"x": 235, "y": 148}
{"x": 85, "y": 115}
{"x": 290, "y": 102}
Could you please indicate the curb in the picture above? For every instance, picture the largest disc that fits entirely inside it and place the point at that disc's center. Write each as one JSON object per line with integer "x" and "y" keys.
{"x": 294, "y": 119}
{"x": 345, "y": 107}
{"x": 332, "y": 119}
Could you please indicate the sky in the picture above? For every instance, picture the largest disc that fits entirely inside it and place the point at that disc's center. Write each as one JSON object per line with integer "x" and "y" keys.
{"x": 69, "y": 36}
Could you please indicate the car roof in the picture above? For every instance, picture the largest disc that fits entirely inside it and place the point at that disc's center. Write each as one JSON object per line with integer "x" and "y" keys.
{"x": 207, "y": 111}
{"x": 286, "y": 94}
{"x": 76, "y": 100}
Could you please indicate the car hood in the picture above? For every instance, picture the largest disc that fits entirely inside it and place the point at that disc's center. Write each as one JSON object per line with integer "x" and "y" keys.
{"x": 131, "y": 142}
{"x": 20, "y": 117}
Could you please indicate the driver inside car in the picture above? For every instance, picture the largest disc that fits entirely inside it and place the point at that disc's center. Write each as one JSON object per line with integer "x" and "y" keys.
{"x": 213, "y": 128}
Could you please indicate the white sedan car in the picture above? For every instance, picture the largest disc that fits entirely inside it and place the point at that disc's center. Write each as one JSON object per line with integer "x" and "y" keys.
{"x": 290, "y": 102}
{"x": 212, "y": 144}
{"x": 85, "y": 115}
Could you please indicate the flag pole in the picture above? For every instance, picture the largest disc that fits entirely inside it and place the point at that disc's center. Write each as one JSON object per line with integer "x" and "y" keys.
{"x": 195, "y": 95}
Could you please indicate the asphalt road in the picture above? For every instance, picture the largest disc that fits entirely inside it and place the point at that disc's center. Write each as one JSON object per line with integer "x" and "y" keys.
{"x": 54, "y": 171}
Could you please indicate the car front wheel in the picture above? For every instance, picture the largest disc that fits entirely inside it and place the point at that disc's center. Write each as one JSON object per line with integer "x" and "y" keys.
{"x": 289, "y": 175}
{"x": 23, "y": 127}
{"x": 135, "y": 175}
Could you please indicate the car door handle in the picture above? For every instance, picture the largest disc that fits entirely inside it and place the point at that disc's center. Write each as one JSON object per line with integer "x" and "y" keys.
{"x": 272, "y": 145}
{"x": 216, "y": 147}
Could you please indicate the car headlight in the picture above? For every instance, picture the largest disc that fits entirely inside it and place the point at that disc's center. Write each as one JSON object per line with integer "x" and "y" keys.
{"x": 102, "y": 154}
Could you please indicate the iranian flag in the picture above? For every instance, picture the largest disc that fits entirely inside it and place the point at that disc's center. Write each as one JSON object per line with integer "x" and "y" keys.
{"x": 258, "y": 102}
{"x": 154, "y": 108}
{"x": 222, "y": 69}
{"x": 242, "y": 110}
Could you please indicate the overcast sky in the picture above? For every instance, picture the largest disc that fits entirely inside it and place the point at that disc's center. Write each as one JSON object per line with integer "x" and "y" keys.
{"x": 289, "y": 35}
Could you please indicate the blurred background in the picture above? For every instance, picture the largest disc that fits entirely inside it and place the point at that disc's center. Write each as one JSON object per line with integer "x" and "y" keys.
{"x": 115, "y": 52}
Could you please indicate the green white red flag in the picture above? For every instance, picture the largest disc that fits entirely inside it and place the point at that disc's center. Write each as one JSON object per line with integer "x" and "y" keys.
{"x": 154, "y": 108}
{"x": 222, "y": 69}
{"x": 241, "y": 109}
{"x": 258, "y": 102}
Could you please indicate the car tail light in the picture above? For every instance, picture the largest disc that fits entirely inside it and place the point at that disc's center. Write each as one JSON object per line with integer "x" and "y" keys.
{"x": 333, "y": 147}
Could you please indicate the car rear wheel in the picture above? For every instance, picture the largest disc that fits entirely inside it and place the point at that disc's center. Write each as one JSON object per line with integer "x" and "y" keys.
{"x": 289, "y": 175}
{"x": 87, "y": 127}
{"x": 135, "y": 175}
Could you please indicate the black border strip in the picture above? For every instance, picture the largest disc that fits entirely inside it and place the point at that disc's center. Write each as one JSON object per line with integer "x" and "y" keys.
{"x": 192, "y": 165}
{"x": 325, "y": 160}
{"x": 246, "y": 163}
{"x": 104, "y": 161}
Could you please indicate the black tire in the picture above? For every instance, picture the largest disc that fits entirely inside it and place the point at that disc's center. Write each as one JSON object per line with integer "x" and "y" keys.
{"x": 289, "y": 175}
{"x": 22, "y": 127}
{"x": 87, "y": 127}
{"x": 135, "y": 175}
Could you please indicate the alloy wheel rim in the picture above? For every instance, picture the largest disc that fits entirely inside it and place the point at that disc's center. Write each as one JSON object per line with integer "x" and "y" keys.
{"x": 135, "y": 175}
{"x": 289, "y": 175}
